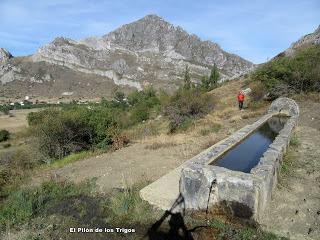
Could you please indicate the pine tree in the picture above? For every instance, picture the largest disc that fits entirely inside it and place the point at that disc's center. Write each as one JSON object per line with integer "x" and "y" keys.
{"x": 187, "y": 79}
{"x": 214, "y": 77}
{"x": 205, "y": 84}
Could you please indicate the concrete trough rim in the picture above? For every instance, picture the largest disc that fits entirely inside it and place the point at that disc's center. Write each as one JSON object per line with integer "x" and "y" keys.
{"x": 263, "y": 175}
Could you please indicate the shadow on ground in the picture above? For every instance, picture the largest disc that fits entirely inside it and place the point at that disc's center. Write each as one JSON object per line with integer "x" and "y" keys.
{"x": 176, "y": 227}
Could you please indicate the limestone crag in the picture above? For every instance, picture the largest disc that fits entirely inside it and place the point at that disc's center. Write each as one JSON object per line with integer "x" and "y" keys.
{"x": 4, "y": 55}
{"x": 309, "y": 39}
{"x": 8, "y": 72}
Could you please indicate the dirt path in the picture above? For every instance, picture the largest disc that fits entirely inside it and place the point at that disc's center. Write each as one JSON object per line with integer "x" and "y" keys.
{"x": 124, "y": 167}
{"x": 295, "y": 208}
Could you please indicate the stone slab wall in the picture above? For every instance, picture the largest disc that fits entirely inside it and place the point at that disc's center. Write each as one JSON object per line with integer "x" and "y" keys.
{"x": 242, "y": 194}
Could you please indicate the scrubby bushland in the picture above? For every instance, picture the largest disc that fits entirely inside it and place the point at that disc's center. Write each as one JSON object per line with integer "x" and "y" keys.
{"x": 291, "y": 74}
{"x": 148, "y": 96}
{"x": 4, "y": 135}
{"x": 74, "y": 128}
{"x": 258, "y": 91}
{"x": 15, "y": 166}
{"x": 60, "y": 132}
{"x": 186, "y": 105}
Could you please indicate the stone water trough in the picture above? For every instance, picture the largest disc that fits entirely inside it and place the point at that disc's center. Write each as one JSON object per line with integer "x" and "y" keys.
{"x": 244, "y": 193}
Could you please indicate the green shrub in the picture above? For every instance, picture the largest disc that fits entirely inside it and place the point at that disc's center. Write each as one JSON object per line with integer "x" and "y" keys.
{"x": 5, "y": 109}
{"x": 4, "y": 135}
{"x": 147, "y": 96}
{"x": 211, "y": 82}
{"x": 294, "y": 141}
{"x": 139, "y": 113}
{"x": 127, "y": 206}
{"x": 15, "y": 166}
{"x": 187, "y": 104}
{"x": 289, "y": 74}
{"x": 119, "y": 96}
{"x": 60, "y": 133}
{"x": 76, "y": 128}
{"x": 35, "y": 118}
{"x": 185, "y": 125}
{"x": 257, "y": 91}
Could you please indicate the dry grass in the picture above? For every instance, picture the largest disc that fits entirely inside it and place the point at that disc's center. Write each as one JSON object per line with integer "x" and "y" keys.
{"x": 205, "y": 132}
{"x": 17, "y": 120}
{"x": 250, "y": 115}
{"x": 165, "y": 140}
{"x": 226, "y": 113}
{"x": 147, "y": 129}
{"x": 210, "y": 142}
{"x": 314, "y": 96}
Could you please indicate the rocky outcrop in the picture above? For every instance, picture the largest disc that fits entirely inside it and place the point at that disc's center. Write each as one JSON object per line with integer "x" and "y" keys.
{"x": 4, "y": 55}
{"x": 7, "y": 71}
{"x": 309, "y": 39}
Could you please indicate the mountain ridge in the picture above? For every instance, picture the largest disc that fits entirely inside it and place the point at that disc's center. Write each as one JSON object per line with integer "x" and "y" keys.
{"x": 147, "y": 51}
{"x": 308, "y": 39}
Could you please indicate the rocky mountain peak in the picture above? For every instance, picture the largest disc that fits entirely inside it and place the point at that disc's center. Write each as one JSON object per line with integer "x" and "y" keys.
{"x": 63, "y": 41}
{"x": 148, "y": 33}
{"x": 4, "y": 55}
{"x": 152, "y": 17}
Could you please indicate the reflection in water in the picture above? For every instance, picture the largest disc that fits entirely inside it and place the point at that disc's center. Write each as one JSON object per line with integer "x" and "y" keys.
{"x": 247, "y": 153}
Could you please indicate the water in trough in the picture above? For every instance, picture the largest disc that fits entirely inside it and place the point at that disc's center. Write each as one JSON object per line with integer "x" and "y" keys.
{"x": 246, "y": 155}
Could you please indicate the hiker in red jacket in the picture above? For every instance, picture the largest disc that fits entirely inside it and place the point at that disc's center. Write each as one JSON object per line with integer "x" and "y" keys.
{"x": 240, "y": 99}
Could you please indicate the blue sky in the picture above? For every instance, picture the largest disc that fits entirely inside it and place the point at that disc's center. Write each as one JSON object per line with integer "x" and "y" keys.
{"x": 256, "y": 30}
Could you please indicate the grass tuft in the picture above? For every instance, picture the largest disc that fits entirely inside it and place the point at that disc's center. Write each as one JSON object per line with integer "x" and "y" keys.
{"x": 295, "y": 141}
{"x": 73, "y": 158}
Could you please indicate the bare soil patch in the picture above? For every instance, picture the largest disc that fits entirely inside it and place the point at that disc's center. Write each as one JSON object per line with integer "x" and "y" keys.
{"x": 294, "y": 211}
